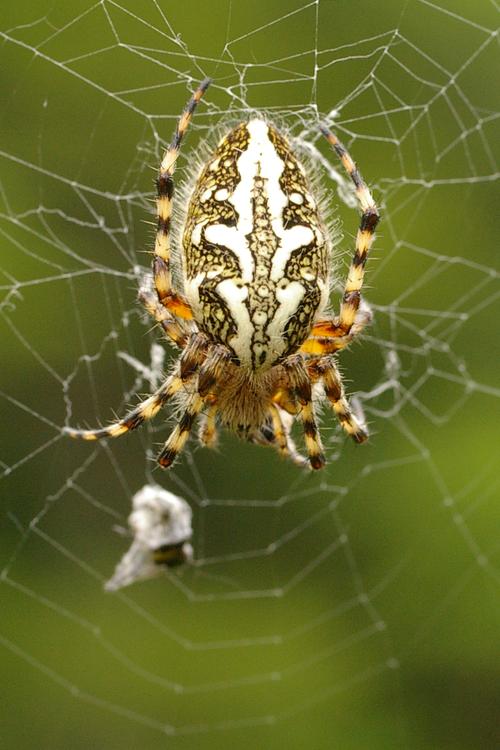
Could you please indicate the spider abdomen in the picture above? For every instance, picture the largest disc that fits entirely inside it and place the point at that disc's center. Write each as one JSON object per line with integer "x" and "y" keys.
{"x": 255, "y": 252}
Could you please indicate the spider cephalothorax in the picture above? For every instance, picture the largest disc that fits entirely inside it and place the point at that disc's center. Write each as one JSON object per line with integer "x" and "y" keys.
{"x": 256, "y": 344}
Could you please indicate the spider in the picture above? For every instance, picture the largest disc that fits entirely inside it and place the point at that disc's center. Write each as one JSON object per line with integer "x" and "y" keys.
{"x": 257, "y": 345}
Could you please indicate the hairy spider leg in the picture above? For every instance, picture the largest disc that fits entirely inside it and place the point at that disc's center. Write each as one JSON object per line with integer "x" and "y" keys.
{"x": 168, "y": 297}
{"x": 208, "y": 434}
{"x": 210, "y": 371}
{"x": 351, "y": 319}
{"x": 326, "y": 371}
{"x": 327, "y": 337}
{"x": 274, "y": 434}
{"x": 301, "y": 387}
{"x": 286, "y": 401}
{"x": 171, "y": 327}
{"x": 364, "y": 238}
{"x": 283, "y": 439}
{"x": 180, "y": 433}
{"x": 148, "y": 408}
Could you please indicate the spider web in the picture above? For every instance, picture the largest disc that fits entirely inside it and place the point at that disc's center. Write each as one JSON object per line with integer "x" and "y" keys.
{"x": 319, "y": 608}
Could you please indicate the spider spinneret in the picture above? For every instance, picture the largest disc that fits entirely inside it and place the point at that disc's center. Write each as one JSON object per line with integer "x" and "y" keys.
{"x": 250, "y": 321}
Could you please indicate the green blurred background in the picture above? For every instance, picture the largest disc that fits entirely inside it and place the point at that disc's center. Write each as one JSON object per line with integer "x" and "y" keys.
{"x": 356, "y": 609}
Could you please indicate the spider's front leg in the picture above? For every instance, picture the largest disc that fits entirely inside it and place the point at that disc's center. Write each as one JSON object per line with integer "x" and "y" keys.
{"x": 325, "y": 370}
{"x": 331, "y": 334}
{"x": 364, "y": 239}
{"x": 180, "y": 433}
{"x": 300, "y": 385}
{"x": 147, "y": 409}
{"x": 205, "y": 392}
{"x": 175, "y": 329}
{"x": 328, "y": 336}
{"x": 208, "y": 434}
{"x": 285, "y": 445}
{"x": 211, "y": 374}
{"x": 275, "y": 433}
